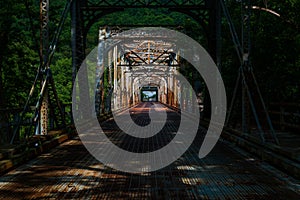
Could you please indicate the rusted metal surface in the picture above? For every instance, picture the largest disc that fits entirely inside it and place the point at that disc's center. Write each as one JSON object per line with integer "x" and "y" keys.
{"x": 70, "y": 172}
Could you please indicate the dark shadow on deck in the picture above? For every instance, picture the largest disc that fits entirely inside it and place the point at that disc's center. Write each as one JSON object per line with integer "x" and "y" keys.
{"x": 70, "y": 172}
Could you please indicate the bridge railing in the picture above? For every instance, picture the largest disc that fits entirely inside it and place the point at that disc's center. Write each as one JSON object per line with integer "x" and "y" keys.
{"x": 9, "y": 119}
{"x": 285, "y": 116}
{"x": 8, "y": 123}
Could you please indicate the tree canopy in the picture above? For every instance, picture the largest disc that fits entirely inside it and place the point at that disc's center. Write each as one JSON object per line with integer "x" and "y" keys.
{"x": 275, "y": 46}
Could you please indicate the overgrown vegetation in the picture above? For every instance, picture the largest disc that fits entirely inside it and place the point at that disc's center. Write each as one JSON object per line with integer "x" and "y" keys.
{"x": 276, "y": 46}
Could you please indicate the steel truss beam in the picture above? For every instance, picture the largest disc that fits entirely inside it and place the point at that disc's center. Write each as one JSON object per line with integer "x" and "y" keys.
{"x": 42, "y": 127}
{"x": 48, "y": 98}
{"x": 127, "y": 74}
{"x": 94, "y": 4}
{"x": 86, "y": 12}
{"x": 205, "y": 12}
{"x": 251, "y": 95}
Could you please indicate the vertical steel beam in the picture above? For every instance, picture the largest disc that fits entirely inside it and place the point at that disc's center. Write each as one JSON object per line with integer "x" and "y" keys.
{"x": 74, "y": 39}
{"x": 214, "y": 44}
{"x": 245, "y": 18}
{"x": 132, "y": 90}
{"x": 44, "y": 31}
{"x": 77, "y": 36}
{"x": 44, "y": 45}
{"x": 78, "y": 51}
{"x": 115, "y": 82}
{"x": 110, "y": 81}
{"x": 122, "y": 89}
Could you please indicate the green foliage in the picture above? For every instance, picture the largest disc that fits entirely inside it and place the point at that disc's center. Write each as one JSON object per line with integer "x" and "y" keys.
{"x": 275, "y": 50}
{"x": 146, "y": 17}
{"x": 62, "y": 74}
{"x": 18, "y": 59}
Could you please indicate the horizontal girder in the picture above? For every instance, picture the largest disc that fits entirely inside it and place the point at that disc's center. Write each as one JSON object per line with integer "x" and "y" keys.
{"x": 185, "y": 4}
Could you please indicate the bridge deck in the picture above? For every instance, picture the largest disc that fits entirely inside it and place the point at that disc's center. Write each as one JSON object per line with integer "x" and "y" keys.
{"x": 70, "y": 172}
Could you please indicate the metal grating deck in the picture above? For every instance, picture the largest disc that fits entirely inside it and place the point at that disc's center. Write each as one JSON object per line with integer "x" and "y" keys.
{"x": 70, "y": 172}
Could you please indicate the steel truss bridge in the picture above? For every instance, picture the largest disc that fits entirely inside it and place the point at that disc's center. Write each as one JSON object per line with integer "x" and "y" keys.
{"x": 151, "y": 63}
{"x": 207, "y": 13}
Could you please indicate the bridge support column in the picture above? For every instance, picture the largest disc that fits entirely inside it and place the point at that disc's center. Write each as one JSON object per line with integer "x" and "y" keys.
{"x": 115, "y": 77}
{"x": 122, "y": 90}
{"x": 175, "y": 88}
{"x": 187, "y": 95}
{"x": 44, "y": 114}
{"x": 78, "y": 51}
{"x": 44, "y": 45}
{"x": 170, "y": 89}
{"x": 110, "y": 81}
{"x": 214, "y": 45}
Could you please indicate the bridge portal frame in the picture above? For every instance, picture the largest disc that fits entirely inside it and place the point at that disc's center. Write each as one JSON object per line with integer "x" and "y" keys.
{"x": 84, "y": 13}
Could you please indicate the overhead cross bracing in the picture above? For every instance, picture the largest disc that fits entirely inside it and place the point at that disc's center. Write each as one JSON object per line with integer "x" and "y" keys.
{"x": 86, "y": 13}
{"x": 148, "y": 54}
{"x": 140, "y": 58}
